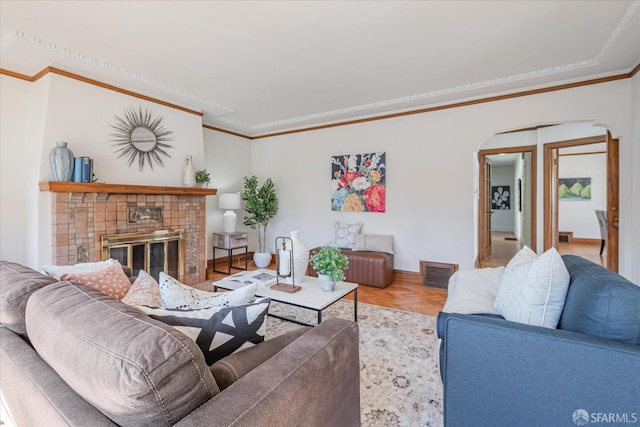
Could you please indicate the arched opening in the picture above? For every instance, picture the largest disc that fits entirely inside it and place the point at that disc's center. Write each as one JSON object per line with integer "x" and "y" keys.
{"x": 584, "y": 150}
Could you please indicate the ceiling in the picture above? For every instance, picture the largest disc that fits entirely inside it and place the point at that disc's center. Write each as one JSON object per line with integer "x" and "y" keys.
{"x": 259, "y": 67}
{"x": 498, "y": 160}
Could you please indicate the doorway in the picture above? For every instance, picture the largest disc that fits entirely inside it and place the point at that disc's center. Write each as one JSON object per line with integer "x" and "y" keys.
{"x": 560, "y": 200}
{"x": 507, "y": 203}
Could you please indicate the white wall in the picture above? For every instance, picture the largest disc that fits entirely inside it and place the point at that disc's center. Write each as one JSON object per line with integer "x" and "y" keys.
{"x": 56, "y": 108}
{"x": 23, "y": 108}
{"x": 504, "y": 219}
{"x": 632, "y": 244}
{"x": 430, "y": 157}
{"x": 579, "y": 216}
{"x": 431, "y": 170}
{"x": 81, "y": 114}
{"x": 421, "y": 201}
{"x": 227, "y": 158}
{"x": 562, "y": 132}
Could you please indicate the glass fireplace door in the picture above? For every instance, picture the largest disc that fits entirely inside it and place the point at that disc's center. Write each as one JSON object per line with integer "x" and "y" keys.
{"x": 152, "y": 252}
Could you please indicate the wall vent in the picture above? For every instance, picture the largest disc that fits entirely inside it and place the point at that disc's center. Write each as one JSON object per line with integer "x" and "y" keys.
{"x": 565, "y": 236}
{"x": 437, "y": 274}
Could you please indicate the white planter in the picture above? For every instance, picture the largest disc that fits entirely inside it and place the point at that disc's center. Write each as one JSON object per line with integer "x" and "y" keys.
{"x": 262, "y": 259}
{"x": 326, "y": 283}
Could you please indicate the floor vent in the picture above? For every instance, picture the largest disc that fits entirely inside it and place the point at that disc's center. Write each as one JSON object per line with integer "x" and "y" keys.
{"x": 437, "y": 274}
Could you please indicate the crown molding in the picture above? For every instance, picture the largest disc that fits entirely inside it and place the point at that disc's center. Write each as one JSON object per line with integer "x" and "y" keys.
{"x": 227, "y": 131}
{"x": 83, "y": 79}
{"x": 600, "y": 80}
{"x": 220, "y": 114}
{"x": 600, "y": 57}
{"x": 15, "y": 36}
{"x": 454, "y": 105}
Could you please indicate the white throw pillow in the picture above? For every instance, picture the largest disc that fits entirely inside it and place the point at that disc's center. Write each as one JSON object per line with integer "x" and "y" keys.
{"x": 84, "y": 267}
{"x": 473, "y": 291}
{"x": 176, "y": 295}
{"x": 524, "y": 254}
{"x": 345, "y": 236}
{"x": 373, "y": 243}
{"x": 533, "y": 289}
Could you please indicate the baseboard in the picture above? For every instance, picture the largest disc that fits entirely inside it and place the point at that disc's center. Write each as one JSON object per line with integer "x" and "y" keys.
{"x": 413, "y": 277}
{"x": 586, "y": 241}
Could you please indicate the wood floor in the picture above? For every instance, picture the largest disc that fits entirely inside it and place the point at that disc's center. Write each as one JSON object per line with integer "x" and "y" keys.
{"x": 503, "y": 250}
{"x": 588, "y": 250}
{"x": 406, "y": 292}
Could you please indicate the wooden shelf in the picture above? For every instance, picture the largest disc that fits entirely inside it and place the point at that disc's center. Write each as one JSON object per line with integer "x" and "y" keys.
{"x": 90, "y": 187}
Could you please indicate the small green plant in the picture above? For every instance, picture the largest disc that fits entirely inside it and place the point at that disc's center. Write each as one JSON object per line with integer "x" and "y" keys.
{"x": 331, "y": 262}
{"x": 203, "y": 176}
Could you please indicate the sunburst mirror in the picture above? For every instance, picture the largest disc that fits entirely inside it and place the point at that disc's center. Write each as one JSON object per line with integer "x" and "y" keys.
{"x": 141, "y": 137}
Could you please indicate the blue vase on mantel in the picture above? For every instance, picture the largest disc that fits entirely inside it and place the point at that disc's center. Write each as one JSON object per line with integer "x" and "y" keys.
{"x": 61, "y": 162}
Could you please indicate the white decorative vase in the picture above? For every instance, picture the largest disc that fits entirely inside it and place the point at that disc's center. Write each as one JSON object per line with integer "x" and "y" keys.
{"x": 262, "y": 259}
{"x": 300, "y": 257}
{"x": 189, "y": 177}
{"x": 61, "y": 162}
{"x": 326, "y": 283}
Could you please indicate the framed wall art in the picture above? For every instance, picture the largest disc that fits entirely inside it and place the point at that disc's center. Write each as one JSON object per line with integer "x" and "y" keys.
{"x": 575, "y": 189}
{"x": 358, "y": 182}
{"x": 501, "y": 197}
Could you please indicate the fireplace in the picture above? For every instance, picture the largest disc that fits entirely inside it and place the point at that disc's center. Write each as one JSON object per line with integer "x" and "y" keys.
{"x": 153, "y": 252}
{"x": 155, "y": 228}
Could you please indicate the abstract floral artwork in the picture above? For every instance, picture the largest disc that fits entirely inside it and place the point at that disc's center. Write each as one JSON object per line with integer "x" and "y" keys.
{"x": 358, "y": 182}
{"x": 501, "y": 197}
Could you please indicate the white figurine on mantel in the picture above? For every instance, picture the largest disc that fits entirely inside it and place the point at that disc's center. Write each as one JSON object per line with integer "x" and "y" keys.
{"x": 189, "y": 177}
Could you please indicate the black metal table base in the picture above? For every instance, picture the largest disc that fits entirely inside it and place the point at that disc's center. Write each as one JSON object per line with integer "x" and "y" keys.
{"x": 230, "y": 259}
{"x": 288, "y": 319}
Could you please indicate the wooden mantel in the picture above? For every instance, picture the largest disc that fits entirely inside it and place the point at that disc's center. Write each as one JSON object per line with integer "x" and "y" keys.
{"x": 90, "y": 187}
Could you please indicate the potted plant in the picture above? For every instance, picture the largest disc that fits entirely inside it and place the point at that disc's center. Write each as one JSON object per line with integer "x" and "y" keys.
{"x": 331, "y": 263}
{"x": 203, "y": 178}
{"x": 261, "y": 204}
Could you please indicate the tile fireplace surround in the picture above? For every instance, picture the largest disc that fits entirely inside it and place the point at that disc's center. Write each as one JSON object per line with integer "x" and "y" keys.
{"x": 81, "y": 213}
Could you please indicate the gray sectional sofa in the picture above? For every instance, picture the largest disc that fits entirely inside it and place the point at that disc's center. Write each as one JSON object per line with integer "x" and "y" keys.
{"x": 501, "y": 373}
{"x": 71, "y": 355}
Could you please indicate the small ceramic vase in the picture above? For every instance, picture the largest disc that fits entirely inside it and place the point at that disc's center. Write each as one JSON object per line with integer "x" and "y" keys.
{"x": 61, "y": 162}
{"x": 189, "y": 177}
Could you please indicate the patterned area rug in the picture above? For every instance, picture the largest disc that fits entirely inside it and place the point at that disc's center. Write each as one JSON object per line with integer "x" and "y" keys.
{"x": 400, "y": 383}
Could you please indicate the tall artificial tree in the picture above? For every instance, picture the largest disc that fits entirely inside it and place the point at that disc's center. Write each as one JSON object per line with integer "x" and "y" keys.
{"x": 261, "y": 204}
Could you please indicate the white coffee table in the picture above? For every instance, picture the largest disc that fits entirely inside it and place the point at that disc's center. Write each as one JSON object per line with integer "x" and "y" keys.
{"x": 311, "y": 296}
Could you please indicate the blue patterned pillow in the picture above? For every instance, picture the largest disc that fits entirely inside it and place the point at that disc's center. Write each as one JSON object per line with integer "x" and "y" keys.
{"x": 218, "y": 331}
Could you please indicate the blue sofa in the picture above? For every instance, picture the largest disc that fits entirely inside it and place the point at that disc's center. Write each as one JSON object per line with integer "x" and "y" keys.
{"x": 501, "y": 373}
